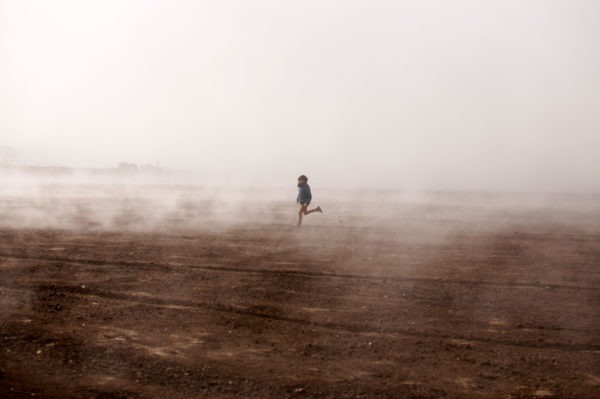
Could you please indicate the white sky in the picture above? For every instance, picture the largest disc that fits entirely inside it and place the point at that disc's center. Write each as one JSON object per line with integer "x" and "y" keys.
{"x": 468, "y": 95}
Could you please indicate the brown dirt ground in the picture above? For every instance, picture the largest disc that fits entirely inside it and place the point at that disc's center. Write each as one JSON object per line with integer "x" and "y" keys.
{"x": 324, "y": 311}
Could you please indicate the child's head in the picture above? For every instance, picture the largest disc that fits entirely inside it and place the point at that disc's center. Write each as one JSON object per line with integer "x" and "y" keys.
{"x": 302, "y": 180}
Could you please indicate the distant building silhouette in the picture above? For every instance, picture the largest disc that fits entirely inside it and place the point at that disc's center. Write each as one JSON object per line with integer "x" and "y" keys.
{"x": 127, "y": 168}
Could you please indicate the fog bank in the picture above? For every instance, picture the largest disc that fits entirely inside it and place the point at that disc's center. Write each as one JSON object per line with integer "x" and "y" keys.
{"x": 434, "y": 95}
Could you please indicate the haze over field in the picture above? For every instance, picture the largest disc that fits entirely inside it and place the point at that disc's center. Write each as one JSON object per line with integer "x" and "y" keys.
{"x": 466, "y": 95}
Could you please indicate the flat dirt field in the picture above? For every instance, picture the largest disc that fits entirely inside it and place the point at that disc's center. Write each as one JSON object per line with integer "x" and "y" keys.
{"x": 113, "y": 293}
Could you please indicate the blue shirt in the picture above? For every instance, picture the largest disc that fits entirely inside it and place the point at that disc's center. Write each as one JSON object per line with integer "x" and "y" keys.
{"x": 304, "y": 195}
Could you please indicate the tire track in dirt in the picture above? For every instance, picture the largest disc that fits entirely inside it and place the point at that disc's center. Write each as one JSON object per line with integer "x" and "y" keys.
{"x": 263, "y": 312}
{"x": 299, "y": 273}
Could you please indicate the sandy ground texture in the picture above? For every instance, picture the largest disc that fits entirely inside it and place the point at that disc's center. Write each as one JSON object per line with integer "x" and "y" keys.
{"x": 445, "y": 298}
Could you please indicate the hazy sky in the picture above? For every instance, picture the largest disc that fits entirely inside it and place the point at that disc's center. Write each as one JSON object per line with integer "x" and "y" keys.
{"x": 428, "y": 94}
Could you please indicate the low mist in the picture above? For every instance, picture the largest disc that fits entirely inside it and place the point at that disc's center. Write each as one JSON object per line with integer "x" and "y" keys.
{"x": 178, "y": 202}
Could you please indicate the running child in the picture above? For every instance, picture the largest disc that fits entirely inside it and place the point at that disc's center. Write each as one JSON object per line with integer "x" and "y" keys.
{"x": 304, "y": 198}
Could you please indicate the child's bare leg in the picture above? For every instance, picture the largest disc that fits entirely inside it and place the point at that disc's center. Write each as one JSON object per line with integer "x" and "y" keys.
{"x": 301, "y": 212}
